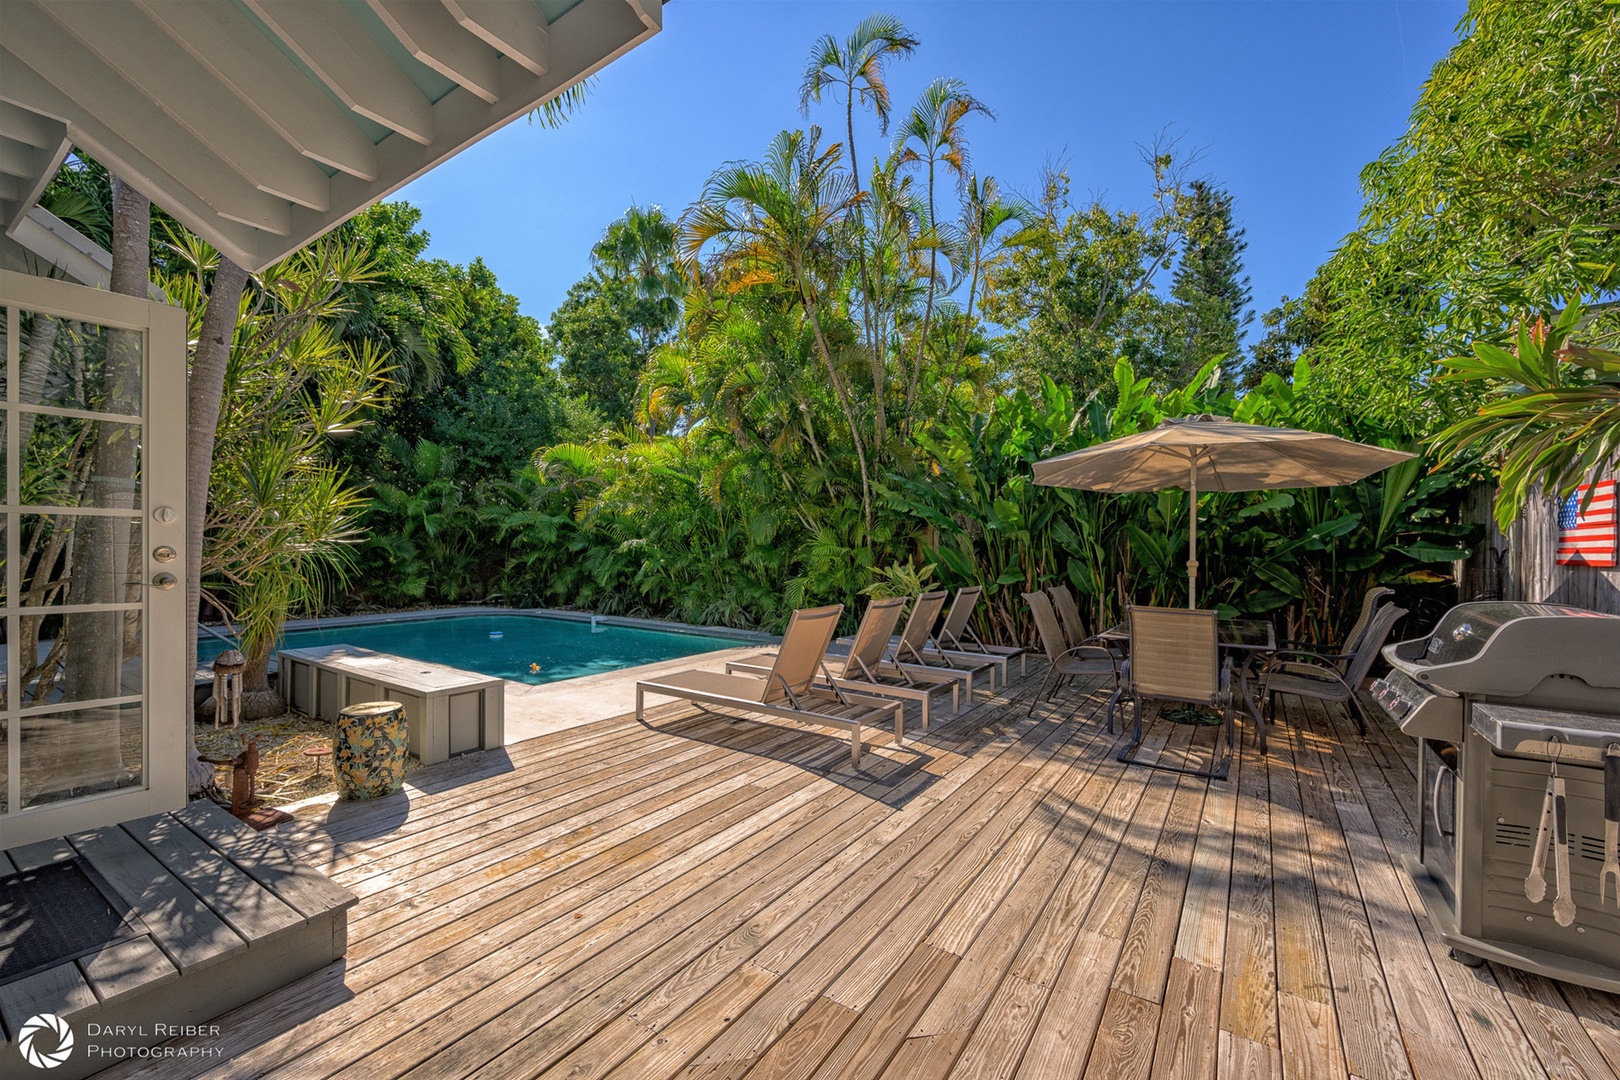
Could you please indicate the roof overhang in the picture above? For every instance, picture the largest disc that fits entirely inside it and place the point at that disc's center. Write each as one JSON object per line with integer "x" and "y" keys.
{"x": 261, "y": 124}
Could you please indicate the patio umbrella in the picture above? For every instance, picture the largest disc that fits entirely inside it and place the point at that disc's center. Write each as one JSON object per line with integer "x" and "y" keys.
{"x": 1214, "y": 453}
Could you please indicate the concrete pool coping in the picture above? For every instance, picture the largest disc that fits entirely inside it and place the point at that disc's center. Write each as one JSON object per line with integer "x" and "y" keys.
{"x": 535, "y": 710}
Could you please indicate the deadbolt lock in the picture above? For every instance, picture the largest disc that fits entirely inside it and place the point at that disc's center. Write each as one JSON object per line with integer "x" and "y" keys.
{"x": 164, "y": 553}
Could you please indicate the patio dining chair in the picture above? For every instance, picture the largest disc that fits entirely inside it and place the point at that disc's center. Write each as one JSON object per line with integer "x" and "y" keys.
{"x": 1074, "y": 624}
{"x": 1340, "y": 654}
{"x": 1176, "y": 656}
{"x": 1064, "y": 661}
{"x": 1311, "y": 675}
{"x": 1068, "y": 613}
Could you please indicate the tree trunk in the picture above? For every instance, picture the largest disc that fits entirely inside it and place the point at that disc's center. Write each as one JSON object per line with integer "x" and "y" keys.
{"x": 204, "y": 392}
{"x": 849, "y": 413}
{"x": 36, "y": 366}
{"x": 94, "y": 653}
{"x": 928, "y": 311}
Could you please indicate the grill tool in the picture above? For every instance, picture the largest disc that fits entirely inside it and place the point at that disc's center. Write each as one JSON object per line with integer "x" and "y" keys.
{"x": 1611, "y": 823}
{"x": 1535, "y": 886}
{"x": 1564, "y": 905}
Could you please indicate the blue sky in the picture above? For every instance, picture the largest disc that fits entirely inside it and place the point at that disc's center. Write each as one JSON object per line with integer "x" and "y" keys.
{"x": 1286, "y": 101}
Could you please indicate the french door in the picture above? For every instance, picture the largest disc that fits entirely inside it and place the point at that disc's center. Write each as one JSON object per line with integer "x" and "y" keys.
{"x": 94, "y": 693}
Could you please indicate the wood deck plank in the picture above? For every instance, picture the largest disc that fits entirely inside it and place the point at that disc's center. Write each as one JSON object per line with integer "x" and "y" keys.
{"x": 189, "y": 932}
{"x": 1249, "y": 982}
{"x": 997, "y": 898}
{"x": 1144, "y": 962}
{"x": 247, "y": 907}
{"x": 1471, "y": 1000}
{"x": 41, "y": 853}
{"x": 864, "y": 949}
{"x": 1124, "y": 1044}
{"x": 653, "y": 1010}
{"x": 265, "y": 860}
{"x": 1189, "y": 1028}
{"x": 865, "y": 1049}
{"x": 61, "y": 990}
{"x": 128, "y": 967}
{"x": 536, "y": 925}
{"x": 1366, "y": 1016}
{"x": 490, "y": 1001}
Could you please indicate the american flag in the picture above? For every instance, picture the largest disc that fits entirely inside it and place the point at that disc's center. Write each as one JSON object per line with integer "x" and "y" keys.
{"x": 1588, "y": 537}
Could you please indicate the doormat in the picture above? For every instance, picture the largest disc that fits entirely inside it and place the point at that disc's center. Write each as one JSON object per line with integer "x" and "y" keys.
{"x": 55, "y": 914}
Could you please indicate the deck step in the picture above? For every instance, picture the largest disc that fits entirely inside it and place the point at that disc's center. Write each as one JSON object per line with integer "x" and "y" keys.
{"x": 228, "y": 915}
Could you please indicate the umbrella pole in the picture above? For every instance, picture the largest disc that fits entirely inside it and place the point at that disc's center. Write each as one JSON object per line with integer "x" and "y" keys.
{"x": 1192, "y": 533}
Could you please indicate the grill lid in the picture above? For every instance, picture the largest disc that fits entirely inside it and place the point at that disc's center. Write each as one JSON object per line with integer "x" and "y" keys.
{"x": 1563, "y": 655}
{"x": 1463, "y": 631}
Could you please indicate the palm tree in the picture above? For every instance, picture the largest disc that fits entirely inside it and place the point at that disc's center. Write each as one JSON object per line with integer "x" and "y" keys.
{"x": 895, "y": 239}
{"x": 640, "y": 248}
{"x": 985, "y": 212}
{"x": 856, "y": 66}
{"x": 1549, "y": 413}
{"x": 932, "y": 134}
{"x": 777, "y": 224}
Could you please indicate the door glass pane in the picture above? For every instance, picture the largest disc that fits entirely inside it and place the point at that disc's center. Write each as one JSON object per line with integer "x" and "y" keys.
{"x": 78, "y": 365}
{"x": 85, "y": 656}
{"x": 5, "y": 329}
{"x": 78, "y": 559}
{"x": 70, "y": 461}
{"x": 69, "y": 755}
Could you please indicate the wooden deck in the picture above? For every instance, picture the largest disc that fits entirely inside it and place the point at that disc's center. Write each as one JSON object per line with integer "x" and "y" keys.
{"x": 713, "y": 898}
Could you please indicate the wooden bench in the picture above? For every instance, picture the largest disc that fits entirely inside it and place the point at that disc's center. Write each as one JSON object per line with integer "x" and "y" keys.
{"x": 449, "y": 711}
{"x": 228, "y": 915}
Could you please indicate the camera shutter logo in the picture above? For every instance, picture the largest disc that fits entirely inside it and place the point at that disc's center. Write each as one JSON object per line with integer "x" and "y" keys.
{"x": 35, "y": 1032}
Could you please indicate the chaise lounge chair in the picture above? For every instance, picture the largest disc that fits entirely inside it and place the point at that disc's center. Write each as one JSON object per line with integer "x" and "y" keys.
{"x": 956, "y": 634}
{"x": 866, "y": 669}
{"x": 916, "y": 651}
{"x": 789, "y": 689}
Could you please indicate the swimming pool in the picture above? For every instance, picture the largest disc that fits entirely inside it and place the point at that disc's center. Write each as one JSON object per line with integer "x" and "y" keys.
{"x": 530, "y": 649}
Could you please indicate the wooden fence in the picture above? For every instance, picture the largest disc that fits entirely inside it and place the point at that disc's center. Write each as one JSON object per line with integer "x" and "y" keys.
{"x": 1521, "y": 565}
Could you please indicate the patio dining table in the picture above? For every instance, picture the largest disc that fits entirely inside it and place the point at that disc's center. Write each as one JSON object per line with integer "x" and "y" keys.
{"x": 1251, "y": 639}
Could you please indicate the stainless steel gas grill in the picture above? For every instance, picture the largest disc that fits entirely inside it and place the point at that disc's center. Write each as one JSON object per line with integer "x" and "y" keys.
{"x": 1515, "y": 707}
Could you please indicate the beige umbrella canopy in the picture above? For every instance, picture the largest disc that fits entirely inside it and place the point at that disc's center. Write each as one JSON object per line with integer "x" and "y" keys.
{"x": 1214, "y": 453}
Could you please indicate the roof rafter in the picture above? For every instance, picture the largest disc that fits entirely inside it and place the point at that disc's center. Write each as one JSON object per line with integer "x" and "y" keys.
{"x": 238, "y": 54}
{"x": 221, "y": 190}
{"x": 431, "y": 35}
{"x": 515, "y": 27}
{"x": 344, "y": 55}
{"x": 170, "y": 78}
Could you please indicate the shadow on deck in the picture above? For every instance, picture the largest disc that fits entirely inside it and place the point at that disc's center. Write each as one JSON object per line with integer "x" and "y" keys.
{"x": 707, "y": 897}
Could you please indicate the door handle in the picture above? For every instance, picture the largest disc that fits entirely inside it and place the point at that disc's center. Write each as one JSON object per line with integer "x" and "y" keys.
{"x": 163, "y": 581}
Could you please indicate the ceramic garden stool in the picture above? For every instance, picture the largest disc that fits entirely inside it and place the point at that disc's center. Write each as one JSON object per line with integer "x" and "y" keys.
{"x": 369, "y": 749}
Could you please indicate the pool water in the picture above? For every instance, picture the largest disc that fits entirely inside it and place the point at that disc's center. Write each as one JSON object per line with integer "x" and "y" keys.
{"x": 530, "y": 649}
